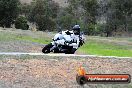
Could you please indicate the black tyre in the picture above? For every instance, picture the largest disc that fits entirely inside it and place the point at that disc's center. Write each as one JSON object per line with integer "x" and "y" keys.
{"x": 46, "y": 49}
{"x": 71, "y": 51}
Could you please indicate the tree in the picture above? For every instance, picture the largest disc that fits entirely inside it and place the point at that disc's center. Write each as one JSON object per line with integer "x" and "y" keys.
{"x": 9, "y": 10}
{"x": 66, "y": 21}
{"x": 84, "y": 12}
{"x": 21, "y": 23}
{"x": 90, "y": 8}
{"x": 123, "y": 11}
{"x": 43, "y": 13}
{"x": 89, "y": 16}
{"x": 25, "y": 9}
{"x": 109, "y": 21}
{"x": 117, "y": 13}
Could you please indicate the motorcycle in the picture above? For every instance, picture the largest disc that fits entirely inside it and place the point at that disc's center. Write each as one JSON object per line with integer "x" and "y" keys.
{"x": 66, "y": 46}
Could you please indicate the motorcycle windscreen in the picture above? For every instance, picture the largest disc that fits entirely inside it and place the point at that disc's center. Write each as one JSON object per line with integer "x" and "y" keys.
{"x": 67, "y": 38}
{"x": 58, "y": 36}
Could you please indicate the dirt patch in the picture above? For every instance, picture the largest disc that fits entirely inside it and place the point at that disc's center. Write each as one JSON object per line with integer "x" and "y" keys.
{"x": 57, "y": 72}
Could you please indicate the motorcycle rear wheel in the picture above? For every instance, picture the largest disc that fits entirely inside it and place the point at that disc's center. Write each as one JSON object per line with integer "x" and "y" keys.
{"x": 71, "y": 51}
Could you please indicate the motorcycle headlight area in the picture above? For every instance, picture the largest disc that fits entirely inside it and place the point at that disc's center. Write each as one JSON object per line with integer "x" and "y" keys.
{"x": 61, "y": 42}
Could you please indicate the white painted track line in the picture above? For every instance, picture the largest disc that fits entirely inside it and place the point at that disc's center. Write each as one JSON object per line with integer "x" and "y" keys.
{"x": 63, "y": 55}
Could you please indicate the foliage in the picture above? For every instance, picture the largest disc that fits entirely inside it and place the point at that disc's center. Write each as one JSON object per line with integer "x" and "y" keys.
{"x": 65, "y": 20}
{"x": 124, "y": 11}
{"x": 90, "y": 7}
{"x": 117, "y": 16}
{"x": 80, "y": 12}
{"x": 96, "y": 17}
{"x": 43, "y": 13}
{"x": 21, "y": 23}
{"x": 25, "y": 9}
{"x": 8, "y": 12}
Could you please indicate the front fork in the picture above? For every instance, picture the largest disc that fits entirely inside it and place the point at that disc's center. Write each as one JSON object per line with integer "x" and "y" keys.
{"x": 54, "y": 46}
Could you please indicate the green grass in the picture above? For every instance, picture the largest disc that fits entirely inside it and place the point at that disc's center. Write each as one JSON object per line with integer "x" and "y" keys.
{"x": 36, "y": 40}
{"x": 5, "y": 36}
{"x": 94, "y": 47}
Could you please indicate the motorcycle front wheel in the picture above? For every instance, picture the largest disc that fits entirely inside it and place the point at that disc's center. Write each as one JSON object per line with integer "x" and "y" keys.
{"x": 71, "y": 51}
{"x": 46, "y": 49}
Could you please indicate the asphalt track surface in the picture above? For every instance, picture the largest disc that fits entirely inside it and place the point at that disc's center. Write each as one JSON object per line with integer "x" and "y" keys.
{"x": 62, "y": 55}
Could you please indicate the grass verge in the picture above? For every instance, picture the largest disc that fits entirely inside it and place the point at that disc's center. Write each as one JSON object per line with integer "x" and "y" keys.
{"x": 35, "y": 40}
{"x": 98, "y": 46}
{"x": 6, "y": 36}
{"x": 94, "y": 47}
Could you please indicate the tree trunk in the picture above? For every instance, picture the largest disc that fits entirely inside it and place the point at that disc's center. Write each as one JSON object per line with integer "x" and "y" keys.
{"x": 107, "y": 34}
{"x": 125, "y": 24}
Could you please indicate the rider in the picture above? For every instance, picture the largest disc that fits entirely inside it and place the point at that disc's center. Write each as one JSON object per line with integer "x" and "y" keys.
{"x": 69, "y": 37}
{"x": 79, "y": 37}
{"x": 75, "y": 36}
